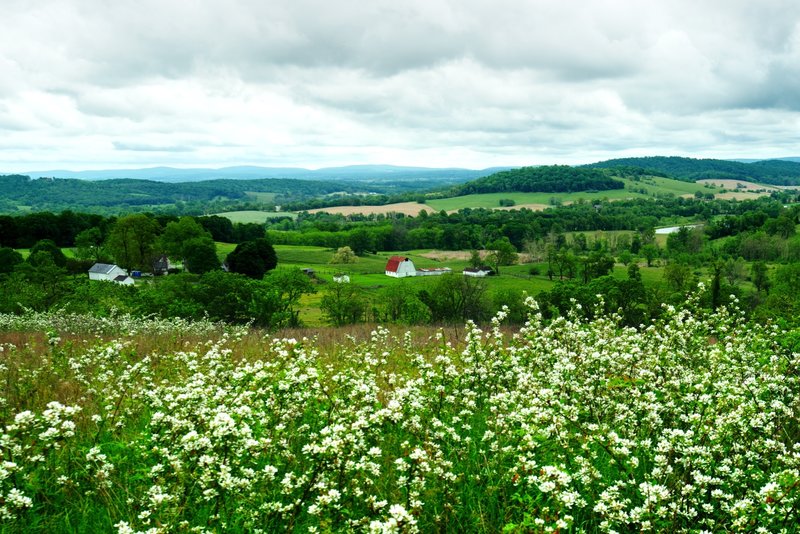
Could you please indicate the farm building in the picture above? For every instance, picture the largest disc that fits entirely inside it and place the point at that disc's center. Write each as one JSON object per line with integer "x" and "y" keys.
{"x": 105, "y": 271}
{"x": 478, "y": 272}
{"x": 161, "y": 265}
{"x": 437, "y": 271}
{"x": 111, "y": 273}
{"x": 400, "y": 267}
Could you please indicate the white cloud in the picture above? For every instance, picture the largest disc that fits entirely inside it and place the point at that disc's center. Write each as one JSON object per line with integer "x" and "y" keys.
{"x": 427, "y": 82}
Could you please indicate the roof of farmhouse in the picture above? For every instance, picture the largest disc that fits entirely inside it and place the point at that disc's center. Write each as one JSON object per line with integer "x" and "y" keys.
{"x": 102, "y": 268}
{"x": 394, "y": 263}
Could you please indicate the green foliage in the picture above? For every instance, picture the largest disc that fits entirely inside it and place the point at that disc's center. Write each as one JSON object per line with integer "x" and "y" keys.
{"x": 784, "y": 297}
{"x": 650, "y": 253}
{"x": 127, "y": 195}
{"x": 456, "y": 298}
{"x": 625, "y": 257}
{"x": 502, "y": 253}
{"x": 735, "y": 270}
{"x": 555, "y": 178}
{"x": 47, "y": 251}
{"x": 343, "y": 304}
{"x": 176, "y": 239}
{"x": 678, "y": 275}
{"x": 290, "y": 285}
{"x": 596, "y": 264}
{"x": 760, "y": 278}
{"x": 9, "y": 259}
{"x": 252, "y": 258}
{"x": 89, "y": 245}
{"x": 217, "y": 295}
{"x": 220, "y": 228}
{"x": 399, "y": 303}
{"x": 200, "y": 255}
{"x": 132, "y": 242}
{"x": 774, "y": 172}
{"x": 344, "y": 255}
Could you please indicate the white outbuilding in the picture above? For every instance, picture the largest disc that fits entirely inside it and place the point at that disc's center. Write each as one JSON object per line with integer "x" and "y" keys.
{"x": 110, "y": 273}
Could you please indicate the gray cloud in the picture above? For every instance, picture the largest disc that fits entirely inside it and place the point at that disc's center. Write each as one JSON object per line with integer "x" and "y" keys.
{"x": 431, "y": 82}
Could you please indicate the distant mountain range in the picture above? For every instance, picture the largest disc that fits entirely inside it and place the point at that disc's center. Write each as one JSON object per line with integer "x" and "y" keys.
{"x": 360, "y": 173}
{"x": 779, "y": 170}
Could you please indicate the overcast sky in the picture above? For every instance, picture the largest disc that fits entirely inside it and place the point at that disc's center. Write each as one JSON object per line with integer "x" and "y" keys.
{"x": 94, "y": 84}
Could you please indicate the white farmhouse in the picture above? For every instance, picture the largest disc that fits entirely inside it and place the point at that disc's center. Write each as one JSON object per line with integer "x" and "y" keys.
{"x": 400, "y": 267}
{"x": 111, "y": 273}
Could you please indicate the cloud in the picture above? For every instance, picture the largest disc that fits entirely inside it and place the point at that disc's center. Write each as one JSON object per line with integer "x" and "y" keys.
{"x": 430, "y": 82}
{"x": 137, "y": 147}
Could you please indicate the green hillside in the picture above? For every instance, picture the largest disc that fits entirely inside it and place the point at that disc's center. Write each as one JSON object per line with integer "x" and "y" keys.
{"x": 126, "y": 195}
{"x": 546, "y": 179}
{"x": 641, "y": 186}
{"x": 773, "y": 172}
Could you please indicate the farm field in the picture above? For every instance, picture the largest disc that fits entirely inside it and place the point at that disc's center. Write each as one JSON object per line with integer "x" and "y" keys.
{"x": 406, "y": 208}
{"x": 656, "y": 185}
{"x": 742, "y": 195}
{"x": 261, "y": 196}
{"x": 738, "y": 184}
{"x": 253, "y": 216}
{"x": 537, "y": 200}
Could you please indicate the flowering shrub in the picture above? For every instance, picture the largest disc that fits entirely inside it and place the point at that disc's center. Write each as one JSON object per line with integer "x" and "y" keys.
{"x": 687, "y": 424}
{"x": 116, "y": 324}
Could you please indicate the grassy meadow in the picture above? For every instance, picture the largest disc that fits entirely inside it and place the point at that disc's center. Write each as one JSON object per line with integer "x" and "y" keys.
{"x": 254, "y": 216}
{"x": 647, "y": 187}
{"x": 128, "y": 425}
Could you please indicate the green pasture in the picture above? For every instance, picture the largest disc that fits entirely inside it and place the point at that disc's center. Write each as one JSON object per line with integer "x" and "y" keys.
{"x": 69, "y": 252}
{"x": 492, "y": 200}
{"x": 661, "y": 186}
{"x": 254, "y": 216}
{"x": 368, "y": 274}
{"x": 652, "y": 186}
{"x": 260, "y": 196}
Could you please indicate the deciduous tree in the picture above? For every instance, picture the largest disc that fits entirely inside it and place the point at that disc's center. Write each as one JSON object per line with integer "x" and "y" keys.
{"x": 132, "y": 242}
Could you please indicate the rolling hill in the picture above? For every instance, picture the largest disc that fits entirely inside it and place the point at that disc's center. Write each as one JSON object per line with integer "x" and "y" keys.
{"x": 772, "y": 172}
{"x": 545, "y": 179}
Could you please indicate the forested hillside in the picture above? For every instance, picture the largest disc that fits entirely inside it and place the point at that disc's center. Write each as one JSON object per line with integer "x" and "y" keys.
{"x": 545, "y": 179}
{"x": 774, "y": 172}
{"x": 127, "y": 194}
